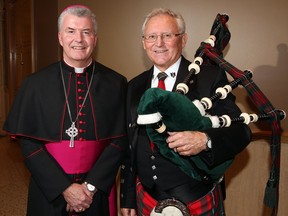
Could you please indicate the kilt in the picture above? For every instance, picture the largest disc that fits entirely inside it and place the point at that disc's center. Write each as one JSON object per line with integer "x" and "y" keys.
{"x": 209, "y": 205}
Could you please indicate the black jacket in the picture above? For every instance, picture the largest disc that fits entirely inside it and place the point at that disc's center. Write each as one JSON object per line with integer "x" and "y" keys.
{"x": 227, "y": 142}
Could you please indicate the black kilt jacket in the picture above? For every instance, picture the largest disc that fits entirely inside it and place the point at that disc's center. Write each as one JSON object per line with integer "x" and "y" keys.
{"x": 158, "y": 171}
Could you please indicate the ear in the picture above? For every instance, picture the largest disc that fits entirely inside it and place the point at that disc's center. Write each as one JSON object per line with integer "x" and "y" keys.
{"x": 60, "y": 39}
{"x": 184, "y": 40}
{"x": 95, "y": 40}
{"x": 143, "y": 44}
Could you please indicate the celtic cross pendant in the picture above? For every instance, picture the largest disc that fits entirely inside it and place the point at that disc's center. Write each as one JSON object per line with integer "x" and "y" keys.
{"x": 72, "y": 132}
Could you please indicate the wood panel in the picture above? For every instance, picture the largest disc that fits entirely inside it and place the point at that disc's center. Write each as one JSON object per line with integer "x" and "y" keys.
{"x": 19, "y": 46}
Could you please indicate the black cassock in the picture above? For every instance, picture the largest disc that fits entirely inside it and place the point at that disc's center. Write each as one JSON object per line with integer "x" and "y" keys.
{"x": 39, "y": 116}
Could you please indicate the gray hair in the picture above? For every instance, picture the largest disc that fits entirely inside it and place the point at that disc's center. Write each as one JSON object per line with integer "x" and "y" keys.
{"x": 161, "y": 11}
{"x": 79, "y": 11}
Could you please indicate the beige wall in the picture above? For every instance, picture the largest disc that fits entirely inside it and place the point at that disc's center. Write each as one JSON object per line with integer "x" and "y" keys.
{"x": 247, "y": 177}
{"x": 259, "y": 42}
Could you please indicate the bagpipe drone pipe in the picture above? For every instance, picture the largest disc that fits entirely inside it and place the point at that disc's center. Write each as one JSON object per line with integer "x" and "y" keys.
{"x": 163, "y": 111}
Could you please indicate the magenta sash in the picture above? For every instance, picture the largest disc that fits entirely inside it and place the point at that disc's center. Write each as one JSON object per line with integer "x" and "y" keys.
{"x": 78, "y": 159}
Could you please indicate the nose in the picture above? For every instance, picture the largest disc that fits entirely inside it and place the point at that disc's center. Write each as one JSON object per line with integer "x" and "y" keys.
{"x": 159, "y": 40}
{"x": 78, "y": 36}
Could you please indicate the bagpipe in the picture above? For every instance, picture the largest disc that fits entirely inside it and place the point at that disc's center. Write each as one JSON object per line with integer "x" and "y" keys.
{"x": 163, "y": 111}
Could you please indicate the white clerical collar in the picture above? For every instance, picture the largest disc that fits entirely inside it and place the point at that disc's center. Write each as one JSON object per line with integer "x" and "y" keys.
{"x": 77, "y": 69}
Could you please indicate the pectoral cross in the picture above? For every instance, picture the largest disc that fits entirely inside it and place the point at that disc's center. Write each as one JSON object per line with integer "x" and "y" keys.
{"x": 72, "y": 132}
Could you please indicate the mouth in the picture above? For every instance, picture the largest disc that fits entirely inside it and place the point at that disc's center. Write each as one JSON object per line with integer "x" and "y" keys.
{"x": 78, "y": 47}
{"x": 160, "y": 51}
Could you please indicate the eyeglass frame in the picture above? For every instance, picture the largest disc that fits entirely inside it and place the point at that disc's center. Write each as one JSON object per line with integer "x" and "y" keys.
{"x": 173, "y": 35}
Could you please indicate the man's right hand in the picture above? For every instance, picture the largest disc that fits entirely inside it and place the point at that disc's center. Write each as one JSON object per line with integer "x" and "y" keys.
{"x": 77, "y": 197}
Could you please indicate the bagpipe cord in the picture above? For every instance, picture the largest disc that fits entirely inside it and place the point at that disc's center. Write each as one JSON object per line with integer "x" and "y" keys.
{"x": 263, "y": 104}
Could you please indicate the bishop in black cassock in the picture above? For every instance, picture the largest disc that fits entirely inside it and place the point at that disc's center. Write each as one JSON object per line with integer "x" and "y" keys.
{"x": 40, "y": 117}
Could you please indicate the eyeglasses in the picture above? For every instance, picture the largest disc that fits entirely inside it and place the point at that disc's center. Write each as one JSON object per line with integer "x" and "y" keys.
{"x": 164, "y": 36}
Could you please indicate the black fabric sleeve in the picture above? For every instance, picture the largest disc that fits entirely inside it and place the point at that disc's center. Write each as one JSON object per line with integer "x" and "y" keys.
{"x": 45, "y": 171}
{"x": 226, "y": 143}
{"x": 103, "y": 173}
{"x": 128, "y": 180}
{"x": 128, "y": 188}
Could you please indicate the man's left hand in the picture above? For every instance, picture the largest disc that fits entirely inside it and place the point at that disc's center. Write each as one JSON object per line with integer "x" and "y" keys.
{"x": 187, "y": 143}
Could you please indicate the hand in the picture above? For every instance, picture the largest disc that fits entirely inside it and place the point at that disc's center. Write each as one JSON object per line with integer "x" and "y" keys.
{"x": 128, "y": 212}
{"x": 187, "y": 143}
{"x": 78, "y": 197}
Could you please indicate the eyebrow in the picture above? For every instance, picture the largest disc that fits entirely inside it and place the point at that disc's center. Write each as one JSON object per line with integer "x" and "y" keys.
{"x": 85, "y": 29}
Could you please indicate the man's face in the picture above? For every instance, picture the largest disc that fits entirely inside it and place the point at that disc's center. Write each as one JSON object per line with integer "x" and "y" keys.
{"x": 163, "y": 53}
{"x": 78, "y": 39}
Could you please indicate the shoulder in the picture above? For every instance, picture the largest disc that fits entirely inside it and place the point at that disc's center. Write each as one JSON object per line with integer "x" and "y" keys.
{"x": 46, "y": 72}
{"x": 212, "y": 74}
{"x": 185, "y": 61}
{"x": 109, "y": 73}
{"x": 42, "y": 77}
{"x": 138, "y": 85}
{"x": 141, "y": 79}
{"x": 210, "y": 70}
{"x": 54, "y": 67}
